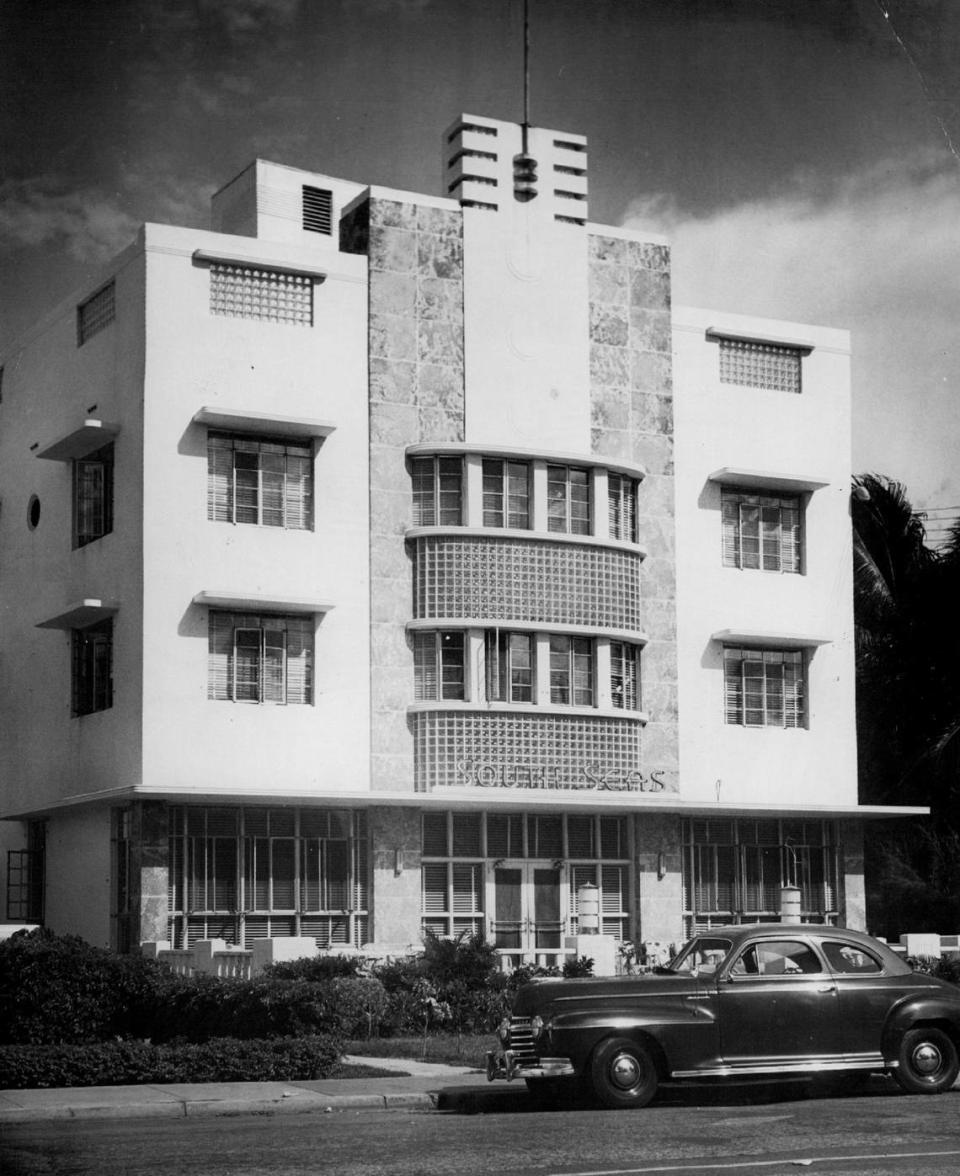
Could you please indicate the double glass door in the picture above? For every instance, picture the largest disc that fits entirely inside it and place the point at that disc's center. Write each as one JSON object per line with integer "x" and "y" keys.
{"x": 528, "y": 920}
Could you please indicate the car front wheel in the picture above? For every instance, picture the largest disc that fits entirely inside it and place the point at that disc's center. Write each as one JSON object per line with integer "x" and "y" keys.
{"x": 623, "y": 1074}
{"x": 928, "y": 1062}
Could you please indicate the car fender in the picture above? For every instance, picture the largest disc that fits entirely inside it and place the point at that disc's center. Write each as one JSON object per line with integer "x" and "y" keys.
{"x": 920, "y": 1009}
{"x": 671, "y": 1024}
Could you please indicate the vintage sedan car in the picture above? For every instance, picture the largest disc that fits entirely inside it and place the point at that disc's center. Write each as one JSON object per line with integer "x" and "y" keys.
{"x": 761, "y": 1001}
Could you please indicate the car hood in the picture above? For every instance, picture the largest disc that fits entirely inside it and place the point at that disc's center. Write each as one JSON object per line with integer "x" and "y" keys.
{"x": 555, "y": 993}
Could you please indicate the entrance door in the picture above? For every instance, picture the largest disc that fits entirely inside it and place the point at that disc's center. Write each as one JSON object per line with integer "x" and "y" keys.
{"x": 528, "y": 924}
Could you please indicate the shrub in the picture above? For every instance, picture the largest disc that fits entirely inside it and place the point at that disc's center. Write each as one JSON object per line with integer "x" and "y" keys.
{"x": 358, "y": 1004}
{"x": 61, "y": 989}
{"x": 203, "y": 1007}
{"x": 319, "y": 968}
{"x": 118, "y": 1063}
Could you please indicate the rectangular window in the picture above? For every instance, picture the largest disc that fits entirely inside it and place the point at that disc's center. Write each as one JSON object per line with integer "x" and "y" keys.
{"x": 260, "y": 481}
{"x": 270, "y": 296}
{"x": 571, "y": 670}
{"x": 439, "y": 666}
{"x": 93, "y": 496}
{"x": 506, "y": 494}
{"x": 568, "y": 500}
{"x": 261, "y": 659}
{"x": 733, "y": 870}
{"x": 97, "y": 312}
{"x": 92, "y": 655}
{"x": 622, "y": 507}
{"x": 761, "y": 530}
{"x": 317, "y": 210}
{"x": 763, "y": 687}
{"x": 509, "y": 667}
{"x": 760, "y": 365}
{"x": 25, "y": 885}
{"x": 437, "y": 491}
{"x": 624, "y": 675}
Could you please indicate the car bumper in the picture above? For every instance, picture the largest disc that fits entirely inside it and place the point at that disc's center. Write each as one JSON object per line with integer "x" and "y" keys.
{"x": 506, "y": 1066}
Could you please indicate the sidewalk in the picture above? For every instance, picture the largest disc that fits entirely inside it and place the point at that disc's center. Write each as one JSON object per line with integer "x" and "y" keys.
{"x": 417, "y": 1084}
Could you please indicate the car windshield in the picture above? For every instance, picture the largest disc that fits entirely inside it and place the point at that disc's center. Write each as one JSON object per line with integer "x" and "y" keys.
{"x": 701, "y": 957}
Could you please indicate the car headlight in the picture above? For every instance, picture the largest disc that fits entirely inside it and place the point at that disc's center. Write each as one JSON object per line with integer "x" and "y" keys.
{"x": 503, "y": 1030}
{"x": 536, "y": 1027}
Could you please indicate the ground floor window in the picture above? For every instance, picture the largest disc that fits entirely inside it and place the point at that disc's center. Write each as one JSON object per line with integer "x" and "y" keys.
{"x": 734, "y": 870}
{"x": 515, "y": 877}
{"x": 25, "y": 877}
{"x": 263, "y": 873}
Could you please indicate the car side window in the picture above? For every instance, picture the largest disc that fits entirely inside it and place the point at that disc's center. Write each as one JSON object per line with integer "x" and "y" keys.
{"x": 783, "y": 957}
{"x": 851, "y": 959}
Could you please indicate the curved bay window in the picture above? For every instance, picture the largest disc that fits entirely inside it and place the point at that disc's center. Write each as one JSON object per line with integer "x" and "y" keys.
{"x": 734, "y": 870}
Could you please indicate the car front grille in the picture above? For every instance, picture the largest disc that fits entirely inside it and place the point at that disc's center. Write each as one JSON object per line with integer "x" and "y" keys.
{"x": 521, "y": 1041}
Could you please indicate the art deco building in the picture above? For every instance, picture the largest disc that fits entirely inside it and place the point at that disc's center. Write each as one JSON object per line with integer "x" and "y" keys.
{"x": 377, "y": 561}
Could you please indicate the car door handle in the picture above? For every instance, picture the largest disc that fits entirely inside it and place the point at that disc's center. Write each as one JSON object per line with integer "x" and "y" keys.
{"x": 828, "y": 988}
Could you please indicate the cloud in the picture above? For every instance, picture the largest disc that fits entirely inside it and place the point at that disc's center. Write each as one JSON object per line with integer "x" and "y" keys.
{"x": 41, "y": 211}
{"x": 877, "y": 253}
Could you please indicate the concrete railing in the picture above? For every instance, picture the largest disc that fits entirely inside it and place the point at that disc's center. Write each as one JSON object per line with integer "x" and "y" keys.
{"x": 215, "y": 958}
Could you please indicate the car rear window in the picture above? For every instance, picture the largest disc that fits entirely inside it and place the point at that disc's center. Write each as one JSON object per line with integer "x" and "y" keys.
{"x": 851, "y": 958}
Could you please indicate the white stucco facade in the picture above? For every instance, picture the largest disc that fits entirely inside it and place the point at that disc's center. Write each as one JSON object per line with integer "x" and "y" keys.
{"x": 511, "y": 593}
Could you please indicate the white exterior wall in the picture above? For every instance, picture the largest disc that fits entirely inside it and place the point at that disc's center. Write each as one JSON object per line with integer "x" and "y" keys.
{"x": 805, "y": 436}
{"x": 194, "y": 359}
{"x": 51, "y": 385}
{"x": 525, "y": 302}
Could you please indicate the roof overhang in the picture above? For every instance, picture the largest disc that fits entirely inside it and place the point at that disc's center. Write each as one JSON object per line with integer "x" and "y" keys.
{"x": 765, "y": 638}
{"x": 762, "y": 480}
{"x": 88, "y": 437}
{"x": 260, "y": 601}
{"x": 242, "y": 420}
{"x": 81, "y": 614}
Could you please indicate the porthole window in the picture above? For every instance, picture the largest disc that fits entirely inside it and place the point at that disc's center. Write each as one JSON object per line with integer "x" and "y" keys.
{"x": 33, "y": 512}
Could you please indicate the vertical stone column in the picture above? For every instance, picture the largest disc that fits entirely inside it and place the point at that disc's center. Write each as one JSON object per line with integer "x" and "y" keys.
{"x": 853, "y": 899}
{"x": 149, "y": 866}
{"x": 416, "y": 395}
{"x": 631, "y": 385}
{"x": 395, "y": 836}
{"x": 659, "y": 858}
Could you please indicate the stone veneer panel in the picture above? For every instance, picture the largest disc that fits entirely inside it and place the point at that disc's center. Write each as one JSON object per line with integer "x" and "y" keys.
{"x": 631, "y": 393}
{"x": 416, "y": 395}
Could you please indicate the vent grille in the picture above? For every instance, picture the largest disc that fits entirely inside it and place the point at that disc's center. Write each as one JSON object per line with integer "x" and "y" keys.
{"x": 317, "y": 210}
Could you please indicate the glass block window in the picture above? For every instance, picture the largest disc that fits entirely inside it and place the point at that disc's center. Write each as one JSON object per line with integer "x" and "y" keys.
{"x": 624, "y": 675}
{"x": 509, "y": 669}
{"x": 93, "y": 496}
{"x": 733, "y": 870}
{"x": 571, "y": 670}
{"x": 97, "y": 312}
{"x": 568, "y": 500}
{"x": 506, "y": 494}
{"x": 260, "y": 481}
{"x": 512, "y": 580}
{"x": 260, "y": 659}
{"x": 763, "y": 687}
{"x": 761, "y": 531}
{"x": 622, "y": 507}
{"x": 437, "y": 491}
{"x": 439, "y": 666}
{"x": 272, "y": 296}
{"x": 760, "y": 365}
{"x": 478, "y": 748}
{"x": 317, "y": 209}
{"x": 92, "y": 677}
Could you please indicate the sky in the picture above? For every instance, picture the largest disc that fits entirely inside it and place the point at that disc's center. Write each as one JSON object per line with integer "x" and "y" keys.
{"x": 802, "y": 156}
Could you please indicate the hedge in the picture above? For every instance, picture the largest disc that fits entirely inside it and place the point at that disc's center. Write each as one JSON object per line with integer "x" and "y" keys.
{"x": 123, "y": 1063}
